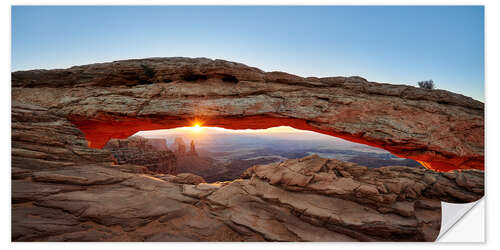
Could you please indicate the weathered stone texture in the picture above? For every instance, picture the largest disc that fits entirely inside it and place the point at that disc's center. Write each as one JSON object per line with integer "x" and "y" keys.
{"x": 64, "y": 190}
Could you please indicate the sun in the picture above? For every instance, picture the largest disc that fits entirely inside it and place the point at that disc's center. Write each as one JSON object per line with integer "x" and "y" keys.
{"x": 197, "y": 128}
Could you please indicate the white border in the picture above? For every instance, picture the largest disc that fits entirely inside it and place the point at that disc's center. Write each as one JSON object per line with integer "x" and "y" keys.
{"x": 492, "y": 22}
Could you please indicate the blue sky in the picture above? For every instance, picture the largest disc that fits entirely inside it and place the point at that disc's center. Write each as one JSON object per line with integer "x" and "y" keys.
{"x": 400, "y": 45}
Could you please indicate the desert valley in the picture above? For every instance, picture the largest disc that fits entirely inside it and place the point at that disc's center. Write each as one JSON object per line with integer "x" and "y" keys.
{"x": 223, "y": 155}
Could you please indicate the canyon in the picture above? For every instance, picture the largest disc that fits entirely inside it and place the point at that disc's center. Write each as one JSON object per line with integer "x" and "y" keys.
{"x": 188, "y": 161}
{"x": 66, "y": 185}
{"x": 225, "y": 155}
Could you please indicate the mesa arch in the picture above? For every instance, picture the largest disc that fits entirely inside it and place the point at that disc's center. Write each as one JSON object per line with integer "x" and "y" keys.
{"x": 443, "y": 130}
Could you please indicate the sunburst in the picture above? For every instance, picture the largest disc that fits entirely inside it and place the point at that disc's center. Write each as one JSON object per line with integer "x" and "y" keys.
{"x": 196, "y": 128}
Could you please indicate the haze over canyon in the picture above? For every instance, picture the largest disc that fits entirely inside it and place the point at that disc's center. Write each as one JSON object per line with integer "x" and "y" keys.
{"x": 222, "y": 155}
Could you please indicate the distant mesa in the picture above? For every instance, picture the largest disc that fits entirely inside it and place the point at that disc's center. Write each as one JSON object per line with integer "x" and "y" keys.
{"x": 179, "y": 146}
{"x": 151, "y": 153}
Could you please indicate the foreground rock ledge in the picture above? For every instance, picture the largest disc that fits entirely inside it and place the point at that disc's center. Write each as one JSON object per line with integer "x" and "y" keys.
{"x": 308, "y": 199}
{"x": 443, "y": 130}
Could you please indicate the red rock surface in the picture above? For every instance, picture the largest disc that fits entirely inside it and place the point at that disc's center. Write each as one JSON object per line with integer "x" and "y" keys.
{"x": 115, "y": 100}
{"x": 308, "y": 199}
{"x": 64, "y": 190}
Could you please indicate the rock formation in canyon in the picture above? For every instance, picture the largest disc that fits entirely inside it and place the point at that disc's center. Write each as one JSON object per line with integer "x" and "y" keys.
{"x": 190, "y": 162}
{"x": 155, "y": 156}
{"x": 150, "y": 153}
{"x": 65, "y": 186}
{"x": 192, "y": 149}
{"x": 179, "y": 146}
{"x": 157, "y": 143}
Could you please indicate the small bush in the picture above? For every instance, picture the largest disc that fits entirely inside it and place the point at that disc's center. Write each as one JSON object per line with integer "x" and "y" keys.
{"x": 426, "y": 84}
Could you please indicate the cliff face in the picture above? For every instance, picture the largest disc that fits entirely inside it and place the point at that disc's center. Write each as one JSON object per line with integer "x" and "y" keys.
{"x": 114, "y": 100}
{"x": 150, "y": 153}
{"x": 64, "y": 190}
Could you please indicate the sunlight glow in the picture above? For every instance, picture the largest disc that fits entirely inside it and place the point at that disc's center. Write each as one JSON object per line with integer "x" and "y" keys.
{"x": 199, "y": 132}
{"x": 197, "y": 128}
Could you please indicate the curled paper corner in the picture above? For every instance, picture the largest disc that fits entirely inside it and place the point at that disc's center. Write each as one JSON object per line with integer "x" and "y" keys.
{"x": 453, "y": 213}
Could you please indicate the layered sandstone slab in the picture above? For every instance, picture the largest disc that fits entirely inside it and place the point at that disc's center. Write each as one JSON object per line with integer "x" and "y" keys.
{"x": 308, "y": 199}
{"x": 443, "y": 130}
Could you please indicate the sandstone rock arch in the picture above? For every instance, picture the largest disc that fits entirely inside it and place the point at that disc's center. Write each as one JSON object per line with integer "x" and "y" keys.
{"x": 443, "y": 130}
{"x": 73, "y": 192}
